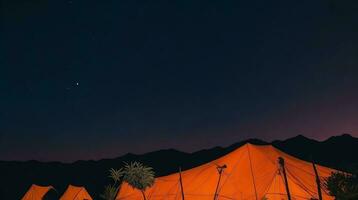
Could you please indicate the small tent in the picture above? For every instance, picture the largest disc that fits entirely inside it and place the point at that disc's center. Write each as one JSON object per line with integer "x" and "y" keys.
{"x": 36, "y": 192}
{"x": 75, "y": 193}
{"x": 251, "y": 172}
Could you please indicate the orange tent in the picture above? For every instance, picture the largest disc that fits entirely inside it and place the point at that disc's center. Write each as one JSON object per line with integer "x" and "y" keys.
{"x": 76, "y": 193}
{"x": 251, "y": 172}
{"x": 36, "y": 192}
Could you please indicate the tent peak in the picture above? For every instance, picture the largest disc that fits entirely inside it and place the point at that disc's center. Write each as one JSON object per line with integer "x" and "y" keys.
{"x": 35, "y": 185}
{"x": 75, "y": 193}
{"x": 36, "y": 192}
{"x": 249, "y": 143}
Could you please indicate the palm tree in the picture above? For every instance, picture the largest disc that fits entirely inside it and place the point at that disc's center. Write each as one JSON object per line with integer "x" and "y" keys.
{"x": 116, "y": 175}
{"x": 343, "y": 186}
{"x": 111, "y": 190}
{"x": 138, "y": 176}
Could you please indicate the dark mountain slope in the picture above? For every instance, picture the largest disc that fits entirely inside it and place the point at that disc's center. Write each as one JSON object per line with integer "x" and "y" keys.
{"x": 339, "y": 152}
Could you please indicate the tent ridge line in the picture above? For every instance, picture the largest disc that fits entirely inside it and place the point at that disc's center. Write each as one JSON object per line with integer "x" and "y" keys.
{"x": 252, "y": 173}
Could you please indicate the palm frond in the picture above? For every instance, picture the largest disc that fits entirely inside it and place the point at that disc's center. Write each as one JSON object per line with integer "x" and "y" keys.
{"x": 110, "y": 192}
{"x": 116, "y": 174}
{"x": 138, "y": 176}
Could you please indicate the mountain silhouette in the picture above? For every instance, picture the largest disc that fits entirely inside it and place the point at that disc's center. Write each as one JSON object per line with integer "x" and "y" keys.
{"x": 16, "y": 177}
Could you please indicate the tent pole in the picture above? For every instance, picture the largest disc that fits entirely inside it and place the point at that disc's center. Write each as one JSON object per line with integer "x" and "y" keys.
{"x": 318, "y": 181}
{"x": 220, "y": 171}
{"x": 281, "y": 161}
{"x": 181, "y": 185}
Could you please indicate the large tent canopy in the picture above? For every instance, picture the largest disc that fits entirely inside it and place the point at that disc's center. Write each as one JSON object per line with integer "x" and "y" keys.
{"x": 251, "y": 172}
{"x": 36, "y": 192}
{"x": 75, "y": 193}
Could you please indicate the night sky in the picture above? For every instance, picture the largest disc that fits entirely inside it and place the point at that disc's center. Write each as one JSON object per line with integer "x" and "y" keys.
{"x": 97, "y": 79}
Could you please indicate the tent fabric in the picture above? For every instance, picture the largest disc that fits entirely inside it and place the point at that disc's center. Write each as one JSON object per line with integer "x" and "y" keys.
{"x": 75, "y": 193}
{"x": 252, "y": 173}
{"x": 36, "y": 192}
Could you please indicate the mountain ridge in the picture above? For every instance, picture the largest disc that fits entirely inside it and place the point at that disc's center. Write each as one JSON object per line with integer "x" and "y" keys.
{"x": 251, "y": 140}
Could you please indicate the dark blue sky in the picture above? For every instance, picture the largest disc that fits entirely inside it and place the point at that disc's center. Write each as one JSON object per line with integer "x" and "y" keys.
{"x": 94, "y": 79}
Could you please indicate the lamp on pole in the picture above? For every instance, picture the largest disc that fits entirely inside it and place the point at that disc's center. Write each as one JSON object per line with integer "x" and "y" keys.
{"x": 220, "y": 171}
